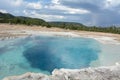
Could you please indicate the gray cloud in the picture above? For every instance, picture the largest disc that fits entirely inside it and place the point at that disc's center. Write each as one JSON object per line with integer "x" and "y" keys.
{"x": 89, "y": 12}
{"x": 99, "y": 14}
{"x": 107, "y": 18}
{"x": 89, "y": 5}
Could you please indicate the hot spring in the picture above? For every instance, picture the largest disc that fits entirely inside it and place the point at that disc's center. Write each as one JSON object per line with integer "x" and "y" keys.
{"x": 43, "y": 54}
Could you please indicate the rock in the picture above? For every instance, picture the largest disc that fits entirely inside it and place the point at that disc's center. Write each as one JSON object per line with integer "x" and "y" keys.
{"x": 102, "y": 73}
{"x": 29, "y": 76}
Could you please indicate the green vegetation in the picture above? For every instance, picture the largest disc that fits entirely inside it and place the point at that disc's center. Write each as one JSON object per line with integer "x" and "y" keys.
{"x": 78, "y": 26}
{"x": 8, "y": 18}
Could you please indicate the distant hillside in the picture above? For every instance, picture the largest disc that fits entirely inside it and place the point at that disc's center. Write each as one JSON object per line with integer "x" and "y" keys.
{"x": 11, "y": 19}
{"x": 66, "y": 25}
{"x": 8, "y": 18}
{"x": 6, "y": 15}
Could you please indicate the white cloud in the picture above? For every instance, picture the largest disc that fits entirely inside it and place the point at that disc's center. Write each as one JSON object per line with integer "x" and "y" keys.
{"x": 3, "y": 11}
{"x": 55, "y": 1}
{"x": 68, "y": 9}
{"x": 17, "y": 2}
{"x": 34, "y": 5}
{"x": 25, "y": 12}
{"x": 50, "y": 17}
{"x": 46, "y": 17}
{"x": 11, "y": 3}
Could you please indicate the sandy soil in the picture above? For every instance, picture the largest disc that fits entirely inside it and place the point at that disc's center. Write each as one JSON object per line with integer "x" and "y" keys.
{"x": 12, "y": 31}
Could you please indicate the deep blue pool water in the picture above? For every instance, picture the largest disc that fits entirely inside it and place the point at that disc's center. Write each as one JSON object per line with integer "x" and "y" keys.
{"x": 44, "y": 54}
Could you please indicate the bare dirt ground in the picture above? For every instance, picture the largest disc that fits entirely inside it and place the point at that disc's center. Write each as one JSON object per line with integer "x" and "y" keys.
{"x": 12, "y": 31}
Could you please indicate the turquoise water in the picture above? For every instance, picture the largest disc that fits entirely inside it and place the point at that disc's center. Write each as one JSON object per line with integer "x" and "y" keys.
{"x": 44, "y": 54}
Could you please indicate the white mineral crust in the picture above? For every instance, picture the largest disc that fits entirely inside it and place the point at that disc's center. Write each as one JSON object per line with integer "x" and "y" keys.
{"x": 101, "y": 73}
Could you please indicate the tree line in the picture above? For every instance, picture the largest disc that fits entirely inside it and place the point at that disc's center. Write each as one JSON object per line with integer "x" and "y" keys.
{"x": 78, "y": 26}
{"x": 8, "y": 18}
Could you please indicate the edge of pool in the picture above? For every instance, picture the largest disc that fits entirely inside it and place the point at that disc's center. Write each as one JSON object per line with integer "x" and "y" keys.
{"x": 101, "y": 73}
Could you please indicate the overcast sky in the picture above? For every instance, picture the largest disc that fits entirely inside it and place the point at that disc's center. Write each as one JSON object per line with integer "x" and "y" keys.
{"x": 88, "y": 12}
